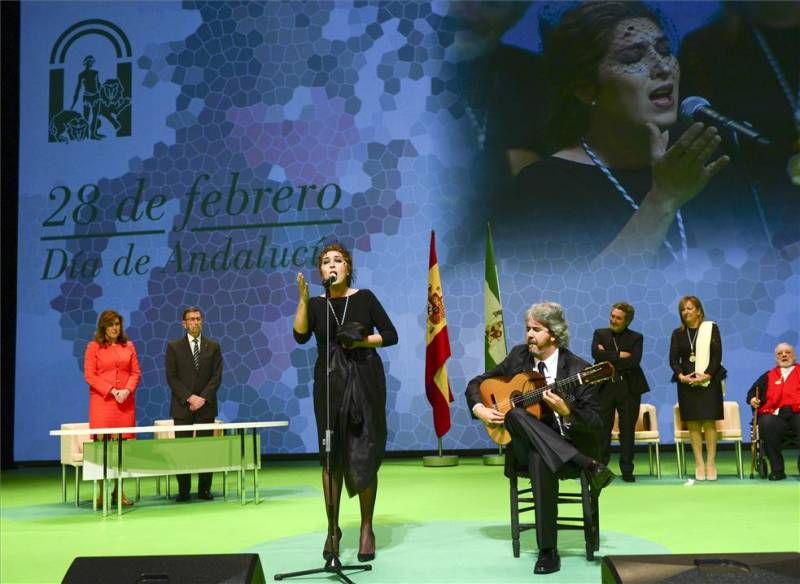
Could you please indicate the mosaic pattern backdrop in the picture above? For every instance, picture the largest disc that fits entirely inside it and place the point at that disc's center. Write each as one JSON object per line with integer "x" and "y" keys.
{"x": 260, "y": 131}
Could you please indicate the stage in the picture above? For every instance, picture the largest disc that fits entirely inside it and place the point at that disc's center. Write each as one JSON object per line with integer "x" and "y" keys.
{"x": 432, "y": 524}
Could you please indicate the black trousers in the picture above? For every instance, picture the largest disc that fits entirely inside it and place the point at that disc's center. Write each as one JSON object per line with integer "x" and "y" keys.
{"x": 617, "y": 397}
{"x": 771, "y": 429}
{"x": 203, "y": 479}
{"x": 547, "y": 454}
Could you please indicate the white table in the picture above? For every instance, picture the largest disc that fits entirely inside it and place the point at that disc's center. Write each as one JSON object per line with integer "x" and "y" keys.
{"x": 119, "y": 470}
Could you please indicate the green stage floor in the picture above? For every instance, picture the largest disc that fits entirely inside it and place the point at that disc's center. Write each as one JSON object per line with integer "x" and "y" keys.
{"x": 432, "y": 524}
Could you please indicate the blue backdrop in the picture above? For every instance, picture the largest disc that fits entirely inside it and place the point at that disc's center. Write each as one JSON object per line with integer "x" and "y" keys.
{"x": 207, "y": 151}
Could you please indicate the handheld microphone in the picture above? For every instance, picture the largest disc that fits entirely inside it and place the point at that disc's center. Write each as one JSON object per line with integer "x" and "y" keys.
{"x": 330, "y": 280}
{"x": 698, "y": 109}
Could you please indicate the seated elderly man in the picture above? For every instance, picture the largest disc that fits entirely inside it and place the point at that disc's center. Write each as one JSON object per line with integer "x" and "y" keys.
{"x": 776, "y": 396}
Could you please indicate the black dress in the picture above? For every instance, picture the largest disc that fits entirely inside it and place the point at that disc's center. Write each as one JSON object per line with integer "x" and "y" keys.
{"x": 357, "y": 386}
{"x": 697, "y": 403}
{"x": 584, "y": 212}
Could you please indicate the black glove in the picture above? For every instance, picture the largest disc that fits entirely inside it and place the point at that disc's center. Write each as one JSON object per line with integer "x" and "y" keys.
{"x": 350, "y": 332}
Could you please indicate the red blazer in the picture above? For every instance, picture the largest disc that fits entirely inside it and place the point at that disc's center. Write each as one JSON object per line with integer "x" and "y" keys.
{"x": 107, "y": 367}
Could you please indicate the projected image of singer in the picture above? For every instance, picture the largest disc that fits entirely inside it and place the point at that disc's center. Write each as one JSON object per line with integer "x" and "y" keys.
{"x": 357, "y": 325}
{"x": 615, "y": 184}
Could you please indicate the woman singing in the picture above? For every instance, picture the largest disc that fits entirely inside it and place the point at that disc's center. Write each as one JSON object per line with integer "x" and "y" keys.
{"x": 614, "y": 185}
{"x": 111, "y": 369}
{"x": 695, "y": 357}
{"x": 357, "y": 324}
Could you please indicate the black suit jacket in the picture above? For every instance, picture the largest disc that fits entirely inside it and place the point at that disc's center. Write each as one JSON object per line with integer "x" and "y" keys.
{"x": 184, "y": 380}
{"x": 585, "y": 407}
{"x": 628, "y": 370}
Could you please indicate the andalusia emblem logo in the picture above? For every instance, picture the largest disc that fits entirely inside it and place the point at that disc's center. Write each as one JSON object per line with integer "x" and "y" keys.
{"x": 98, "y": 102}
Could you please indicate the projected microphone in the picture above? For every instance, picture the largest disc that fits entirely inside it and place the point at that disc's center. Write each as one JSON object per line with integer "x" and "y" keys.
{"x": 698, "y": 109}
{"x": 330, "y": 280}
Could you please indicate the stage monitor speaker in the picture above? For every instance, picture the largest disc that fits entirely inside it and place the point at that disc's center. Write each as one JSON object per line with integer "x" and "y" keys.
{"x": 765, "y": 568}
{"x": 195, "y": 569}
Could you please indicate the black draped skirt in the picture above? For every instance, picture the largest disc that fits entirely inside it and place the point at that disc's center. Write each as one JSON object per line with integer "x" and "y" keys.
{"x": 357, "y": 414}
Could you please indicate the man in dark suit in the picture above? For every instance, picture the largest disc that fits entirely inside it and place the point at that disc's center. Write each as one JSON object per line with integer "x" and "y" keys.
{"x": 564, "y": 442}
{"x": 194, "y": 373}
{"x": 622, "y": 347}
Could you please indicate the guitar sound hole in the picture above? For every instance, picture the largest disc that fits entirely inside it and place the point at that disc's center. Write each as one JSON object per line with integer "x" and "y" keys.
{"x": 516, "y": 399}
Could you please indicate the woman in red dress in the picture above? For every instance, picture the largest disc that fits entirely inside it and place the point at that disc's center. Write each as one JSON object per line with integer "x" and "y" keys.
{"x": 111, "y": 369}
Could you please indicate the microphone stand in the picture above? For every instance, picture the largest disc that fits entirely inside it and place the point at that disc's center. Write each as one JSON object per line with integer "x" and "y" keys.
{"x": 332, "y": 565}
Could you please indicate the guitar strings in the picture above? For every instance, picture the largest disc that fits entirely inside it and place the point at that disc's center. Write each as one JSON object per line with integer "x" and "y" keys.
{"x": 520, "y": 399}
{"x": 575, "y": 381}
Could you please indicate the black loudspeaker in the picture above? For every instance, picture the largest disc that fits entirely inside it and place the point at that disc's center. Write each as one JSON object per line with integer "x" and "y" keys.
{"x": 200, "y": 569}
{"x": 766, "y": 568}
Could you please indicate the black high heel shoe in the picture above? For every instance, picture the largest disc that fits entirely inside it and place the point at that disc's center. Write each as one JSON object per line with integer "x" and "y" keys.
{"x": 367, "y": 556}
{"x": 327, "y": 553}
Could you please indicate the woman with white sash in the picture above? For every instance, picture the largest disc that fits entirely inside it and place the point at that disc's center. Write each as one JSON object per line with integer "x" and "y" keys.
{"x": 695, "y": 356}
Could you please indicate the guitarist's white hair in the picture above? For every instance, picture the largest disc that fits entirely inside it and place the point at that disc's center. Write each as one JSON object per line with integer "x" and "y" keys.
{"x": 551, "y": 315}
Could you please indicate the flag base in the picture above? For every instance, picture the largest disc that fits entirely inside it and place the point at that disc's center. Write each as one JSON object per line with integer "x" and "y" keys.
{"x": 440, "y": 461}
{"x": 494, "y": 459}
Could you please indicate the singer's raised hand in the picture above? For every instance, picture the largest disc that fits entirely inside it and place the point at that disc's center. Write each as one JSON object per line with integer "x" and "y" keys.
{"x": 683, "y": 170}
{"x": 302, "y": 287}
{"x": 301, "y": 314}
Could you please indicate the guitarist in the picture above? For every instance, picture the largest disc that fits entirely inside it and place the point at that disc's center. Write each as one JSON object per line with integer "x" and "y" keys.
{"x": 566, "y": 439}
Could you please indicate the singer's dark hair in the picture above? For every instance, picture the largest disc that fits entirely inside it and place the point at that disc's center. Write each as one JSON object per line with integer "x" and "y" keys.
{"x": 348, "y": 259}
{"x": 105, "y": 320}
{"x": 573, "y": 50}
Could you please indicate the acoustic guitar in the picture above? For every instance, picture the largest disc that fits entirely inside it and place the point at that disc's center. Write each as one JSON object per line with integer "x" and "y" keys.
{"x": 524, "y": 390}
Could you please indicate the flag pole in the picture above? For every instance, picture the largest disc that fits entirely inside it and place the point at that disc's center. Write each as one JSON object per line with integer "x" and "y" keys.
{"x": 437, "y": 352}
{"x": 440, "y": 460}
{"x": 496, "y": 348}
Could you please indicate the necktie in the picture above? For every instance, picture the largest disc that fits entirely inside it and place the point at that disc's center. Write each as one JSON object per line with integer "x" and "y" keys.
{"x": 543, "y": 370}
{"x": 196, "y": 354}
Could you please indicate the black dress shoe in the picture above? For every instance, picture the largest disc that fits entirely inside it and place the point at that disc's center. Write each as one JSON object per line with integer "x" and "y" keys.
{"x": 777, "y": 476}
{"x": 181, "y": 498}
{"x": 628, "y": 478}
{"x": 327, "y": 554}
{"x": 548, "y": 562}
{"x": 367, "y": 556}
{"x": 205, "y": 495}
{"x": 600, "y": 476}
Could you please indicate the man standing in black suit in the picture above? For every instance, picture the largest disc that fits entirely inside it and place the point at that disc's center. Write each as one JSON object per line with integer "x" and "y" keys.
{"x": 194, "y": 373}
{"x": 563, "y": 443}
{"x": 623, "y": 348}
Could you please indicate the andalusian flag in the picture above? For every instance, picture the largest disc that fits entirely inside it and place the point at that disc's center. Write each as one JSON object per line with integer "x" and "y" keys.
{"x": 437, "y": 350}
{"x": 495, "y": 334}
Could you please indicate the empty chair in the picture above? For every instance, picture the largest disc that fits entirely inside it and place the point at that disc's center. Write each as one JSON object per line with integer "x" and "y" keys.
{"x": 72, "y": 455}
{"x": 729, "y": 429}
{"x": 646, "y": 432}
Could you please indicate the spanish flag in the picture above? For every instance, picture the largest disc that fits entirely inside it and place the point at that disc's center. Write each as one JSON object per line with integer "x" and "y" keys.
{"x": 437, "y": 350}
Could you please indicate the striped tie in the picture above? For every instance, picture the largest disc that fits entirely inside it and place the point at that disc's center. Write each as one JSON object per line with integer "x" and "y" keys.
{"x": 196, "y": 354}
